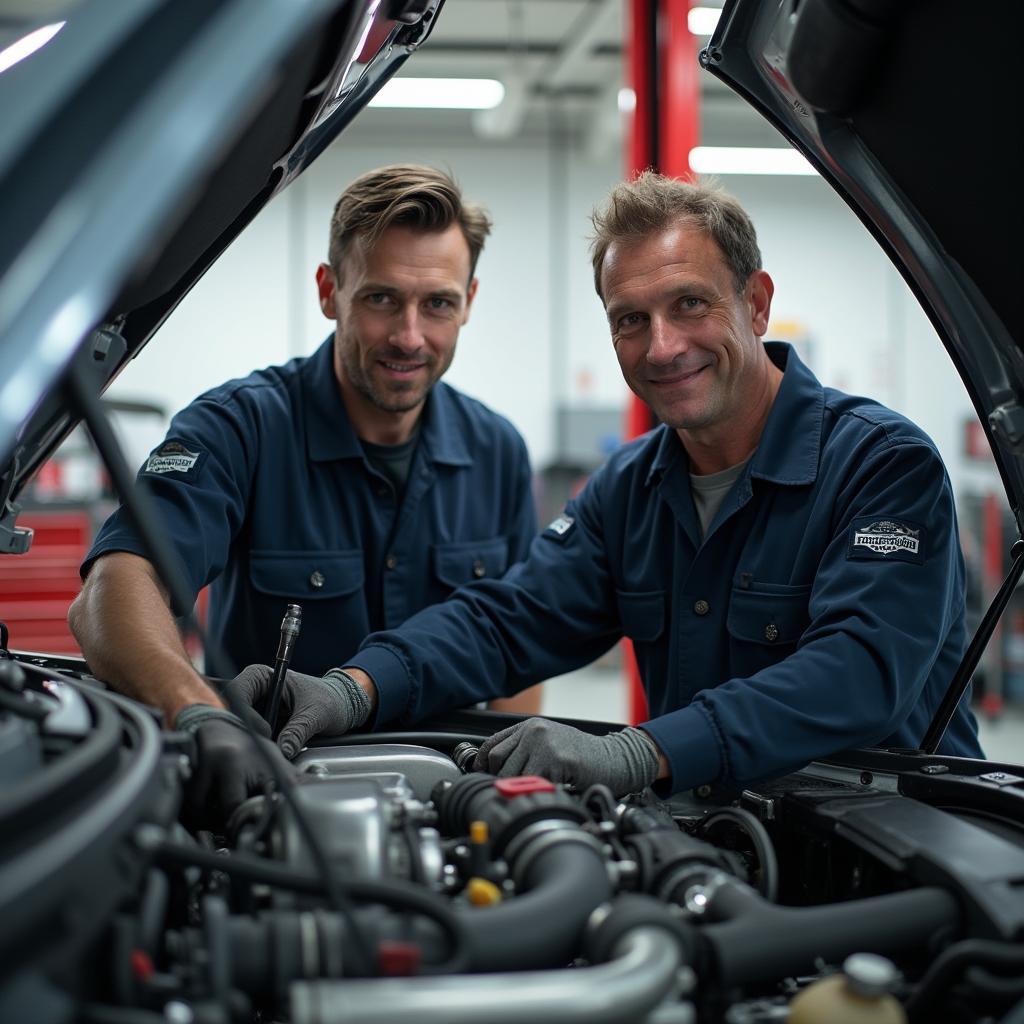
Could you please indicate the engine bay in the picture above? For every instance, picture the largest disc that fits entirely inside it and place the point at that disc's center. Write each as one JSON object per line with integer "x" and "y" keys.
{"x": 393, "y": 883}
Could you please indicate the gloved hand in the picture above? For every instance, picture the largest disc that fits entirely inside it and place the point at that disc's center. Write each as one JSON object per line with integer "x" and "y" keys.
{"x": 333, "y": 704}
{"x": 624, "y": 761}
{"x": 228, "y": 769}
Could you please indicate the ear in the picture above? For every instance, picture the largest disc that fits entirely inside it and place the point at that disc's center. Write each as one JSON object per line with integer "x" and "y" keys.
{"x": 760, "y": 289}
{"x": 326, "y": 285}
{"x": 470, "y": 295}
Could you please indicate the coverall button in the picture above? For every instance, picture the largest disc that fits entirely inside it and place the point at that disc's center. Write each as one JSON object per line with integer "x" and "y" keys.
{"x": 317, "y": 579}
{"x": 478, "y": 569}
{"x": 701, "y": 607}
{"x": 390, "y": 562}
{"x": 771, "y": 631}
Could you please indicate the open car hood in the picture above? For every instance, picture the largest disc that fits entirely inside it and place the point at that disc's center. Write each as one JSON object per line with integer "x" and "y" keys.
{"x": 911, "y": 116}
{"x": 136, "y": 145}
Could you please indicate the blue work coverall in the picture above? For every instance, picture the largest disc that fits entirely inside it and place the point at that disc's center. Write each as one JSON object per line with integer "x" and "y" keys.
{"x": 823, "y": 610}
{"x": 264, "y": 490}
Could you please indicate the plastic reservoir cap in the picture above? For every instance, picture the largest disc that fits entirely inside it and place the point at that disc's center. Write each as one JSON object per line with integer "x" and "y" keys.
{"x": 870, "y": 974}
{"x": 521, "y": 785}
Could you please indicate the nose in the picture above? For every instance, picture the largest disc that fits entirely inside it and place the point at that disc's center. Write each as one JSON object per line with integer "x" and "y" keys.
{"x": 667, "y": 342}
{"x": 406, "y": 332}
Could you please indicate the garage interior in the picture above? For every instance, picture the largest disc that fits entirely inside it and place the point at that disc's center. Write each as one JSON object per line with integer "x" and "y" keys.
{"x": 537, "y": 347}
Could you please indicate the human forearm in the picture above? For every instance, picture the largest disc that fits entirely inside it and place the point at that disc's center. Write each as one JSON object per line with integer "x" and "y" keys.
{"x": 124, "y": 626}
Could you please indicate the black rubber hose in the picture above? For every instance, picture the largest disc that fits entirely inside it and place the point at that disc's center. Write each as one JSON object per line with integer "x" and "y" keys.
{"x": 542, "y": 926}
{"x": 947, "y": 968}
{"x": 757, "y": 941}
{"x": 396, "y": 894}
{"x": 153, "y": 911}
{"x": 981, "y": 981}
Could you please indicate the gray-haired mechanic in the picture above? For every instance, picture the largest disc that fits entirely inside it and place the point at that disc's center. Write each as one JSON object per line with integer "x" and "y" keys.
{"x": 784, "y": 557}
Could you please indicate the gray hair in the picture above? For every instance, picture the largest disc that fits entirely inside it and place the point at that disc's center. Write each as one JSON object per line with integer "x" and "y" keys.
{"x": 652, "y": 202}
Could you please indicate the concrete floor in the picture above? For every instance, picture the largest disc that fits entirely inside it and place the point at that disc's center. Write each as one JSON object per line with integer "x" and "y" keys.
{"x": 599, "y": 693}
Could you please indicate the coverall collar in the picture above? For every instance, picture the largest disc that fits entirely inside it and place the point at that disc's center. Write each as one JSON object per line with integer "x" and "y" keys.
{"x": 788, "y": 452}
{"x": 791, "y": 439}
{"x": 329, "y": 430}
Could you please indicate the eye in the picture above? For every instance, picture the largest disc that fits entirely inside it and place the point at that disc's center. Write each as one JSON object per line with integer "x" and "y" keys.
{"x": 630, "y": 323}
{"x": 439, "y": 303}
{"x": 690, "y": 304}
{"x": 377, "y": 298}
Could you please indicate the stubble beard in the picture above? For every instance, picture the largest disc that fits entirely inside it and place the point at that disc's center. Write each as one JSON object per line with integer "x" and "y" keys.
{"x": 396, "y": 398}
{"x": 711, "y": 411}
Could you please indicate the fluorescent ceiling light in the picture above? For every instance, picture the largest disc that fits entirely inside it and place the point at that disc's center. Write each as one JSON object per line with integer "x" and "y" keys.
{"x": 451, "y": 93}
{"x": 701, "y": 21}
{"x": 748, "y": 160}
{"x": 27, "y": 45}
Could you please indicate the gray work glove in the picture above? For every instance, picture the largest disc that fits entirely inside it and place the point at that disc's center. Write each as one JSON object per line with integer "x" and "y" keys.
{"x": 228, "y": 768}
{"x": 333, "y": 704}
{"x": 624, "y": 761}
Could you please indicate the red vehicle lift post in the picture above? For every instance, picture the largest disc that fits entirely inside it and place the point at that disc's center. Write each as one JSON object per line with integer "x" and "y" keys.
{"x": 662, "y": 70}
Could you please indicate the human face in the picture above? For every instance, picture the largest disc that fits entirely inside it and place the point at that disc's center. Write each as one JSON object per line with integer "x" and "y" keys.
{"x": 398, "y": 306}
{"x": 687, "y": 342}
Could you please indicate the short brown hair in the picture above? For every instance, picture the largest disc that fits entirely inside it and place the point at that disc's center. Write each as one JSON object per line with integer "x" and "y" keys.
{"x": 409, "y": 194}
{"x": 652, "y": 202}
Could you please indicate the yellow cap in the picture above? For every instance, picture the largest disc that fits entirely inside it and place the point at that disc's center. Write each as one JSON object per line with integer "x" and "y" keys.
{"x": 482, "y": 893}
{"x": 478, "y": 833}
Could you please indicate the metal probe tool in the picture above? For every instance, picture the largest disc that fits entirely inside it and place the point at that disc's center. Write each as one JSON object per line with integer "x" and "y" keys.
{"x": 290, "y": 626}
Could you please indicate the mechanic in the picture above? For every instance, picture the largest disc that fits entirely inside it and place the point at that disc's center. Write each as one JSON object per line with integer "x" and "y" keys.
{"x": 784, "y": 557}
{"x": 351, "y": 482}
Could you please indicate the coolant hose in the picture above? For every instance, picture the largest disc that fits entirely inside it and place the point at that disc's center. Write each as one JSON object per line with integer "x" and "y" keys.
{"x": 754, "y": 940}
{"x": 542, "y": 925}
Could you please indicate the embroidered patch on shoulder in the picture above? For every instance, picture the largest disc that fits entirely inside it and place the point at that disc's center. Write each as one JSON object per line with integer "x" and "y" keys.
{"x": 887, "y": 540}
{"x": 174, "y": 457}
{"x": 561, "y": 527}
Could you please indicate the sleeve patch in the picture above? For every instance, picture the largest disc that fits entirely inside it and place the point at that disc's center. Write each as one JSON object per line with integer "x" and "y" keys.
{"x": 174, "y": 458}
{"x": 877, "y": 538}
{"x": 560, "y": 528}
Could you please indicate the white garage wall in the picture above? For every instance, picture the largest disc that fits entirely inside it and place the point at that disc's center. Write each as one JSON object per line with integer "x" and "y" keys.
{"x": 537, "y": 335}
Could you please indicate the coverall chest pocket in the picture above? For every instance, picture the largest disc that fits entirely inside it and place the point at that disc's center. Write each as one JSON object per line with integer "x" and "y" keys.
{"x": 307, "y": 575}
{"x": 328, "y": 585}
{"x": 468, "y": 561}
{"x": 642, "y": 616}
{"x": 765, "y": 625}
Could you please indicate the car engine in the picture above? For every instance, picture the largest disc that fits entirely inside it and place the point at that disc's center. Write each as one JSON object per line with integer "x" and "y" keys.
{"x": 395, "y": 884}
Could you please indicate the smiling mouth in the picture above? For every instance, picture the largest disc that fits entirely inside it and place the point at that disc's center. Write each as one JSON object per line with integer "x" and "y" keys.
{"x": 679, "y": 378}
{"x": 405, "y": 368}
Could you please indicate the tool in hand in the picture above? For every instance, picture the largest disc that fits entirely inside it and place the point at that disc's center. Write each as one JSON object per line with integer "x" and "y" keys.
{"x": 290, "y": 625}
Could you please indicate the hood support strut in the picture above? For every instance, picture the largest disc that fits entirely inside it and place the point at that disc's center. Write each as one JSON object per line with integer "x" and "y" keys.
{"x": 962, "y": 679}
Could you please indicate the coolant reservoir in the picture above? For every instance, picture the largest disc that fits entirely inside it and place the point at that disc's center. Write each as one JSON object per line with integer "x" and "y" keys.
{"x": 861, "y": 994}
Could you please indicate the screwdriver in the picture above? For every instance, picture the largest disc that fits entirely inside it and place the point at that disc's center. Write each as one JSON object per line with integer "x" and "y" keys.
{"x": 290, "y": 625}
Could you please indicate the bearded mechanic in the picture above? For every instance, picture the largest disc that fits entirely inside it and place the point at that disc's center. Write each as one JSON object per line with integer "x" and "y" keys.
{"x": 783, "y": 556}
{"x": 353, "y": 482}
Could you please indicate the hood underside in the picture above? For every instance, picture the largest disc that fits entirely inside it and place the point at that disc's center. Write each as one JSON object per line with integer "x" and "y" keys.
{"x": 911, "y": 112}
{"x": 137, "y": 144}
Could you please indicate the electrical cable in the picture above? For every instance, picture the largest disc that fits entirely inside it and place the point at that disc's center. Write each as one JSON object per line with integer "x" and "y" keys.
{"x": 143, "y": 518}
{"x": 395, "y": 894}
{"x": 947, "y": 968}
{"x": 602, "y": 796}
{"x": 768, "y": 883}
